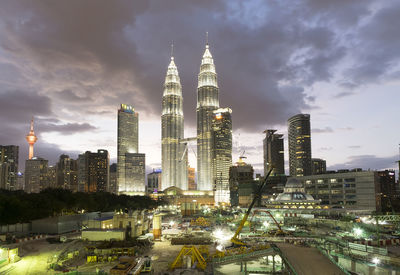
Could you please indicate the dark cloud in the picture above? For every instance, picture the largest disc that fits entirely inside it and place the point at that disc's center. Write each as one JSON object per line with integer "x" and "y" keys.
{"x": 343, "y": 94}
{"x": 65, "y": 60}
{"x": 323, "y": 130}
{"x": 367, "y": 162}
{"x": 66, "y": 129}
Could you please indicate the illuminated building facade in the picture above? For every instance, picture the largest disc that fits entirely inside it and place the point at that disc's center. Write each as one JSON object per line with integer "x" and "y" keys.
{"x": 112, "y": 187}
{"x": 154, "y": 181}
{"x": 318, "y": 166}
{"x": 128, "y": 143}
{"x": 273, "y": 153}
{"x": 207, "y": 102}
{"x": 192, "y": 178}
{"x": 135, "y": 173}
{"x": 31, "y": 139}
{"x": 93, "y": 171}
{"x": 299, "y": 133}
{"x": 67, "y": 173}
{"x": 36, "y": 174}
{"x": 173, "y": 152}
{"x": 221, "y": 153}
{"x": 8, "y": 166}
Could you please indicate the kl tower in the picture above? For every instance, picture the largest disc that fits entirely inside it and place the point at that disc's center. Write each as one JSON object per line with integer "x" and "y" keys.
{"x": 31, "y": 139}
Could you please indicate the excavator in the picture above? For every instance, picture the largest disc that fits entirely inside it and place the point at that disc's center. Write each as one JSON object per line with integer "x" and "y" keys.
{"x": 235, "y": 239}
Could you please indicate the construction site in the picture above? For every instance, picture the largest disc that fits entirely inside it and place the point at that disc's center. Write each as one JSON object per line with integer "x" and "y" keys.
{"x": 200, "y": 238}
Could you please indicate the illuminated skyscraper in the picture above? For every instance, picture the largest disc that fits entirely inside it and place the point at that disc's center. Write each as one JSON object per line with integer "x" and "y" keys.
{"x": 8, "y": 166}
{"x": 207, "y": 102}
{"x": 31, "y": 139}
{"x": 318, "y": 166}
{"x": 135, "y": 173}
{"x": 299, "y": 145}
{"x": 67, "y": 173}
{"x": 221, "y": 153}
{"x": 93, "y": 171}
{"x": 36, "y": 175}
{"x": 128, "y": 143}
{"x": 173, "y": 154}
{"x": 273, "y": 153}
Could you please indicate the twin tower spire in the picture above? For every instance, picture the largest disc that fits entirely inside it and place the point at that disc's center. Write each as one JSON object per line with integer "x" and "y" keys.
{"x": 173, "y": 145}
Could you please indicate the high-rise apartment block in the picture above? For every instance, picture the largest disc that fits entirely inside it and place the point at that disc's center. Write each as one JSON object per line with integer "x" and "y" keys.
{"x": 221, "y": 152}
{"x": 173, "y": 151}
{"x": 299, "y": 133}
{"x": 128, "y": 143}
{"x": 8, "y": 166}
{"x": 273, "y": 153}
{"x": 93, "y": 171}
{"x": 207, "y": 102}
{"x": 36, "y": 173}
{"x": 67, "y": 173}
{"x": 318, "y": 166}
{"x": 112, "y": 188}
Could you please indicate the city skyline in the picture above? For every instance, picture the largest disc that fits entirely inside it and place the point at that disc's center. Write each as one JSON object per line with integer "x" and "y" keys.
{"x": 261, "y": 85}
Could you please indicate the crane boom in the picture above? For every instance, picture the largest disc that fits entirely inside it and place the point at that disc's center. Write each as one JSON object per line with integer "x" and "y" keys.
{"x": 257, "y": 195}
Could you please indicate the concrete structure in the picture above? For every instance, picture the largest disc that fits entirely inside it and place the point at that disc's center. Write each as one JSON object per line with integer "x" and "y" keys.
{"x": 135, "y": 173}
{"x": 94, "y": 235}
{"x": 207, "y": 102}
{"x": 173, "y": 152}
{"x": 8, "y": 166}
{"x": 221, "y": 153}
{"x": 299, "y": 133}
{"x": 67, "y": 173}
{"x": 128, "y": 143}
{"x": 154, "y": 180}
{"x": 353, "y": 190}
{"x": 31, "y": 139}
{"x": 189, "y": 200}
{"x": 240, "y": 173}
{"x": 35, "y": 174}
{"x": 273, "y": 153}
{"x": 318, "y": 166}
{"x": 93, "y": 171}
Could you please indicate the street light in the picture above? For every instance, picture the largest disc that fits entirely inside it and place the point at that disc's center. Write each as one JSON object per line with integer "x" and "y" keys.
{"x": 358, "y": 231}
{"x": 376, "y": 261}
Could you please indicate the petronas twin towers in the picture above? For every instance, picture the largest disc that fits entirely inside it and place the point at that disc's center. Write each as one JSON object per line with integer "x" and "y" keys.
{"x": 174, "y": 150}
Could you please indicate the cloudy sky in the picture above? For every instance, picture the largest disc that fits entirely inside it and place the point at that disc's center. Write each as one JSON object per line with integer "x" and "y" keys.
{"x": 71, "y": 63}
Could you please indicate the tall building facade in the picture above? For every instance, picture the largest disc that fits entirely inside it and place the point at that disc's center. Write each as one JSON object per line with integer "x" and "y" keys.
{"x": 207, "y": 102}
{"x": 192, "y": 178}
{"x": 173, "y": 154}
{"x": 36, "y": 175}
{"x": 135, "y": 173}
{"x": 8, "y": 166}
{"x": 221, "y": 151}
{"x": 239, "y": 174}
{"x": 273, "y": 153}
{"x": 154, "y": 181}
{"x": 67, "y": 173}
{"x": 112, "y": 187}
{"x": 318, "y": 166}
{"x": 93, "y": 171}
{"x": 299, "y": 133}
{"x": 128, "y": 143}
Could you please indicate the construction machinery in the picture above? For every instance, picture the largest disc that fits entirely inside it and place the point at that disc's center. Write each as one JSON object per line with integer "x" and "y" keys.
{"x": 235, "y": 239}
{"x": 279, "y": 231}
{"x": 188, "y": 257}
